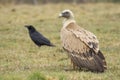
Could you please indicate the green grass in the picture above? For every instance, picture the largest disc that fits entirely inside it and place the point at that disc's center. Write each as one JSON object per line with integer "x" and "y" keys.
{"x": 37, "y": 76}
{"x": 20, "y": 59}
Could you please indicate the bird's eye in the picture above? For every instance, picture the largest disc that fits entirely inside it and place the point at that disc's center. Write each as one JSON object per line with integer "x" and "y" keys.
{"x": 66, "y": 12}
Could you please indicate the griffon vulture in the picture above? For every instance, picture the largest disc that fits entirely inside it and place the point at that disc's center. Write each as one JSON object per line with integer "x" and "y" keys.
{"x": 82, "y": 46}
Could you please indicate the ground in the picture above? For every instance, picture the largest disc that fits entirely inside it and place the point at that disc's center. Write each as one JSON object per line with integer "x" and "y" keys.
{"x": 21, "y": 59}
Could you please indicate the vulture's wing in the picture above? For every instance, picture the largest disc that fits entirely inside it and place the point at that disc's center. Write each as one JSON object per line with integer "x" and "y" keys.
{"x": 85, "y": 36}
{"x": 88, "y": 38}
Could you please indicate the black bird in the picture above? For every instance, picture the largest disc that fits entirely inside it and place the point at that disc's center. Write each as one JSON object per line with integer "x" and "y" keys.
{"x": 37, "y": 37}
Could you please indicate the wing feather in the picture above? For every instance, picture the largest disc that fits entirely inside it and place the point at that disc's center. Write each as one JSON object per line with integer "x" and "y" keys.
{"x": 88, "y": 38}
{"x": 39, "y": 39}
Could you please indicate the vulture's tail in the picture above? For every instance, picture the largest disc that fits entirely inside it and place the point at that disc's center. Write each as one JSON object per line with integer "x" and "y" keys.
{"x": 103, "y": 59}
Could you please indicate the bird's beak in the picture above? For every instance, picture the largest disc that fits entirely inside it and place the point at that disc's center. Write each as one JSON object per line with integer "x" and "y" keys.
{"x": 60, "y": 15}
{"x": 26, "y": 26}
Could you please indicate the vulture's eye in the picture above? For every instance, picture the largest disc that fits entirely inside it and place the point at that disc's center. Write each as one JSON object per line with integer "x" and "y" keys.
{"x": 66, "y": 12}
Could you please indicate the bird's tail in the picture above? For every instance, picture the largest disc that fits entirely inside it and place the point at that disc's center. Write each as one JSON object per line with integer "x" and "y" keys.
{"x": 103, "y": 59}
{"x": 52, "y": 45}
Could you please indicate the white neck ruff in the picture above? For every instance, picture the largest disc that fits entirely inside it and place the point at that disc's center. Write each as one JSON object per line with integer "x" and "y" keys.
{"x": 67, "y": 22}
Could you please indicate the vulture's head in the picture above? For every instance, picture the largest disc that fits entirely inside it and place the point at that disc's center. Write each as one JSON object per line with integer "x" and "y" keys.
{"x": 66, "y": 14}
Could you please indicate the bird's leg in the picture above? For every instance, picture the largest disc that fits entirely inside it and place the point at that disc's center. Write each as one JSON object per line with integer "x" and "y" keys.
{"x": 73, "y": 65}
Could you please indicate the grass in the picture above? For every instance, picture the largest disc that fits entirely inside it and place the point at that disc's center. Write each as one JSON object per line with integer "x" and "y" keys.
{"x": 37, "y": 76}
{"x": 20, "y": 59}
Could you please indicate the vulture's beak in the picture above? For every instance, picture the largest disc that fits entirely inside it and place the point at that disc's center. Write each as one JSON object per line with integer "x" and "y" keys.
{"x": 26, "y": 26}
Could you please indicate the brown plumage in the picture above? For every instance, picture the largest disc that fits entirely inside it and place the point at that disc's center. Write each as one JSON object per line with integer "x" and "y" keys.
{"x": 82, "y": 46}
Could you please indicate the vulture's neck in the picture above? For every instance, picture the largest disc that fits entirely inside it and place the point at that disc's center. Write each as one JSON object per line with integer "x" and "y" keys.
{"x": 66, "y": 22}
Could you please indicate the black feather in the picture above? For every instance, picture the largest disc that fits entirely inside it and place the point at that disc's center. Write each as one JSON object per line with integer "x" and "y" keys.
{"x": 37, "y": 37}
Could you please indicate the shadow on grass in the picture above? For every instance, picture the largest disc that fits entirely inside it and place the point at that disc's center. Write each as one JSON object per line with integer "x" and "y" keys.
{"x": 65, "y": 68}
